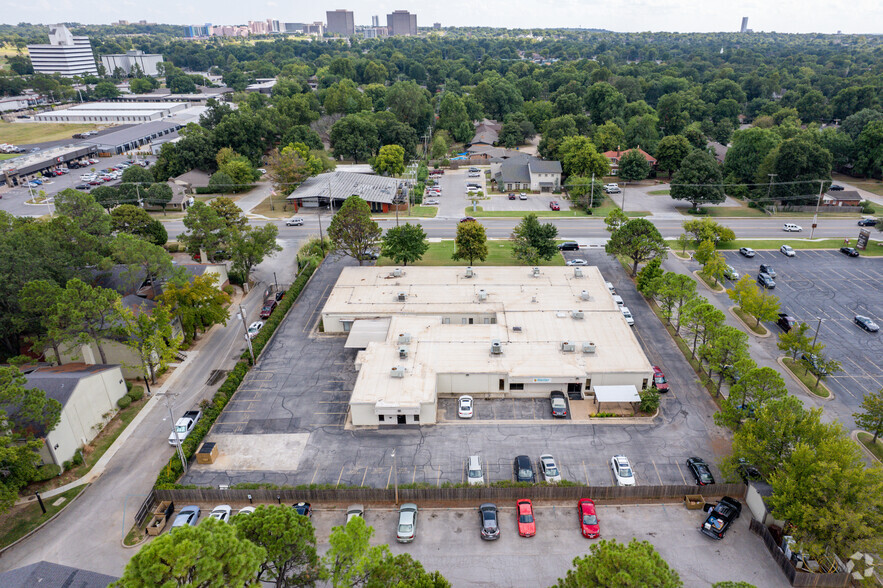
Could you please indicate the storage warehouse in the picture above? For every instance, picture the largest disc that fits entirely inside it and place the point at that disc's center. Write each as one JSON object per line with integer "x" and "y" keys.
{"x": 113, "y": 112}
{"x": 490, "y": 332}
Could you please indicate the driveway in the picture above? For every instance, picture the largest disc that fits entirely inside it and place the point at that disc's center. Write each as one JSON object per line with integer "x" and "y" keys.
{"x": 661, "y": 206}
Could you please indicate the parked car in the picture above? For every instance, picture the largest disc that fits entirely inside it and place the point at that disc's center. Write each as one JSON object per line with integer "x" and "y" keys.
{"x": 406, "y": 531}
{"x": 467, "y": 219}
{"x": 747, "y": 251}
{"x": 527, "y": 526}
{"x": 612, "y": 188}
{"x": 786, "y": 322}
{"x": 787, "y": 250}
{"x": 354, "y": 511}
{"x": 568, "y": 246}
{"x": 522, "y": 196}
{"x": 610, "y": 288}
{"x": 511, "y": 196}
{"x": 487, "y": 516}
{"x": 618, "y": 300}
{"x": 303, "y": 508}
{"x": 589, "y": 523}
{"x": 246, "y": 510}
{"x": 554, "y": 205}
{"x": 255, "y": 328}
{"x": 866, "y": 323}
{"x": 721, "y": 517}
{"x": 474, "y": 471}
{"x": 550, "y": 470}
{"x": 747, "y": 471}
{"x": 187, "y": 516}
{"x": 659, "y": 381}
{"x": 279, "y": 295}
{"x": 622, "y": 470}
{"x": 731, "y": 273}
{"x": 222, "y": 513}
{"x": 767, "y": 269}
{"x": 465, "y": 407}
{"x": 559, "y": 404}
{"x": 867, "y": 222}
{"x": 835, "y": 188}
{"x": 849, "y": 251}
{"x": 812, "y": 361}
{"x": 628, "y": 315}
{"x": 576, "y": 262}
{"x": 430, "y": 202}
{"x": 474, "y": 170}
{"x": 82, "y": 187}
{"x": 524, "y": 470}
{"x": 268, "y": 308}
{"x": 766, "y": 281}
{"x": 700, "y": 471}
{"x": 474, "y": 175}
{"x": 791, "y": 228}
{"x": 294, "y": 221}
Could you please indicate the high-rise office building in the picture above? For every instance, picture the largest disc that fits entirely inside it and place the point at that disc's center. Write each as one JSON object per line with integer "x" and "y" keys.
{"x": 197, "y": 31}
{"x": 375, "y": 21}
{"x": 65, "y": 54}
{"x": 340, "y": 22}
{"x": 273, "y": 25}
{"x": 744, "y": 24}
{"x": 401, "y": 22}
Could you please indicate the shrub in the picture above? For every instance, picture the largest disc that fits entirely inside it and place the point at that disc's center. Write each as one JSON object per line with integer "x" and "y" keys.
{"x": 136, "y": 393}
{"x": 228, "y": 290}
{"x": 867, "y": 207}
{"x": 77, "y": 459}
{"x": 124, "y": 402}
{"x": 129, "y": 386}
{"x": 172, "y": 247}
{"x": 47, "y": 471}
{"x": 649, "y": 400}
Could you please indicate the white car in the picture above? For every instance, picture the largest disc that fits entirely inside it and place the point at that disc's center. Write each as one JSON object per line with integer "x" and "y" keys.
{"x": 262, "y": 170}
{"x": 246, "y": 510}
{"x": 522, "y": 196}
{"x": 787, "y": 250}
{"x": 354, "y": 511}
{"x": 222, "y": 513}
{"x": 431, "y": 202}
{"x": 628, "y": 315}
{"x": 255, "y": 328}
{"x": 464, "y": 407}
{"x": 549, "y": 468}
{"x": 294, "y": 221}
{"x": 612, "y": 188}
{"x": 791, "y": 227}
{"x": 610, "y": 288}
{"x": 577, "y": 262}
{"x": 474, "y": 471}
{"x": 622, "y": 470}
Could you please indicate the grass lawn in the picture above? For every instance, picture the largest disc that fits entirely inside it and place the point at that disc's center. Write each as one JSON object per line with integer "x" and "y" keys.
{"x": 869, "y": 184}
{"x": 750, "y": 321}
{"x": 499, "y": 253}
{"x": 873, "y": 248}
{"x": 21, "y": 520}
{"x": 808, "y": 379}
{"x": 710, "y": 283}
{"x": 280, "y": 208}
{"x": 480, "y": 213}
{"x": 659, "y": 192}
{"x": 746, "y": 212}
{"x": 876, "y": 448}
{"x": 8, "y": 155}
{"x": 27, "y": 133}
{"x": 416, "y": 211}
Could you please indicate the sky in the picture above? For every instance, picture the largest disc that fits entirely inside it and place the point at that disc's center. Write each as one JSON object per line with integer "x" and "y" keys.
{"x": 786, "y": 16}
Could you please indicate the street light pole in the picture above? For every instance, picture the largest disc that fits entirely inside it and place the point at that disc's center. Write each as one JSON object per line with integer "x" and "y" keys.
{"x": 815, "y": 216}
{"x": 178, "y": 448}
{"x": 819, "y": 326}
{"x": 769, "y": 191}
{"x": 321, "y": 238}
{"x": 275, "y": 281}
{"x": 396, "y": 479}
{"x": 247, "y": 338}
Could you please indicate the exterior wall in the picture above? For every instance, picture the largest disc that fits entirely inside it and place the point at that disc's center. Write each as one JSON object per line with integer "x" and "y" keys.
{"x": 92, "y": 398}
{"x": 332, "y": 323}
{"x": 456, "y": 384}
{"x": 363, "y": 415}
{"x": 126, "y": 61}
{"x": 67, "y": 60}
{"x": 536, "y": 179}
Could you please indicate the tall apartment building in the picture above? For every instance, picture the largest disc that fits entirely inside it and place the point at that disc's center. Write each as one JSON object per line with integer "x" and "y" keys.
{"x": 340, "y": 22}
{"x": 273, "y": 25}
{"x": 147, "y": 62}
{"x": 744, "y": 24}
{"x": 65, "y": 54}
{"x": 375, "y": 21}
{"x": 401, "y": 22}
{"x": 316, "y": 28}
{"x": 258, "y": 27}
{"x": 198, "y": 31}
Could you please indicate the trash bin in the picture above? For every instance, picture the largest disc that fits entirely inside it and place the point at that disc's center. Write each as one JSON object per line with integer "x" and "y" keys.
{"x": 207, "y": 453}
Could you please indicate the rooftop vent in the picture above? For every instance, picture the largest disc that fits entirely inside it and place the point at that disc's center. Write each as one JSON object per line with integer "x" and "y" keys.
{"x": 404, "y": 338}
{"x": 496, "y": 347}
{"x": 403, "y": 351}
{"x": 533, "y": 299}
{"x": 397, "y": 372}
{"x": 584, "y": 294}
{"x": 397, "y": 272}
{"x": 482, "y": 295}
{"x": 577, "y": 314}
{"x": 402, "y": 296}
{"x": 588, "y": 347}
{"x": 577, "y": 272}
{"x": 568, "y": 347}
{"x": 536, "y": 272}
{"x": 469, "y": 272}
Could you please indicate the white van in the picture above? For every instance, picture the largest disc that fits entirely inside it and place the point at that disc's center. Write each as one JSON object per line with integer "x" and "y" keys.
{"x": 610, "y": 287}
{"x": 791, "y": 227}
{"x": 617, "y": 299}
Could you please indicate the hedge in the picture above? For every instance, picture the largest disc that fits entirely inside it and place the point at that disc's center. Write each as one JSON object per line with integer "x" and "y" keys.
{"x": 211, "y": 410}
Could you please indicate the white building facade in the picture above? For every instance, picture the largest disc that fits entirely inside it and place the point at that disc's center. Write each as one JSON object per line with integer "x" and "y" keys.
{"x": 147, "y": 62}
{"x": 65, "y": 54}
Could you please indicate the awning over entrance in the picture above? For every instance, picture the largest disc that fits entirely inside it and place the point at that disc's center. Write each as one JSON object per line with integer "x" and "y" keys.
{"x": 365, "y": 331}
{"x": 616, "y": 394}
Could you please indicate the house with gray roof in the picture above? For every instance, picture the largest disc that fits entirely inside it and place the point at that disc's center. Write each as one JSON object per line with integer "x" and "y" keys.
{"x": 332, "y": 188}
{"x": 526, "y": 173}
{"x": 87, "y": 393}
{"x": 52, "y": 575}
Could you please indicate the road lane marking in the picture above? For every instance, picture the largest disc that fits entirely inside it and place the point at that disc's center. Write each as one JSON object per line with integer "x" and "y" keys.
{"x": 363, "y": 476}
{"x": 314, "y": 474}
{"x": 657, "y": 472}
{"x": 340, "y": 476}
{"x": 586, "y": 473}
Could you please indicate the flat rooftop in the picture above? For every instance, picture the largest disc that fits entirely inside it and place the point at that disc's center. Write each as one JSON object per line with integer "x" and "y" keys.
{"x": 122, "y": 106}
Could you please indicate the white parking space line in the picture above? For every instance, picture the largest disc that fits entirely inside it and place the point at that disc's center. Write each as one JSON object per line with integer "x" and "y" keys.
{"x": 681, "y": 472}
{"x": 657, "y": 472}
{"x": 586, "y": 474}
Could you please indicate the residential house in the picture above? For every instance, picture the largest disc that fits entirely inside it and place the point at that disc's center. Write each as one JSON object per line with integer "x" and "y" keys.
{"x": 843, "y": 198}
{"x": 526, "y": 173}
{"x": 381, "y": 193}
{"x": 86, "y": 393}
{"x": 51, "y": 575}
{"x": 486, "y": 152}
{"x": 487, "y": 132}
{"x": 615, "y": 156}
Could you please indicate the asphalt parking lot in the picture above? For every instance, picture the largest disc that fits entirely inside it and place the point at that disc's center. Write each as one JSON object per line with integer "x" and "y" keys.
{"x": 829, "y": 285}
{"x": 492, "y": 409}
{"x": 302, "y": 382}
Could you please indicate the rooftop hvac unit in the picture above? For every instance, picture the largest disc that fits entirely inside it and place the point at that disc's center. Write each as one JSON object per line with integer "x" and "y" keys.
{"x": 402, "y": 296}
{"x": 577, "y": 314}
{"x": 588, "y": 347}
{"x": 482, "y": 295}
{"x": 568, "y": 347}
{"x": 533, "y": 299}
{"x": 536, "y": 272}
{"x": 584, "y": 294}
{"x": 516, "y": 329}
{"x": 397, "y": 272}
{"x": 496, "y": 347}
{"x": 397, "y": 372}
{"x": 404, "y": 338}
{"x": 403, "y": 351}
{"x": 469, "y": 272}
{"x": 577, "y": 272}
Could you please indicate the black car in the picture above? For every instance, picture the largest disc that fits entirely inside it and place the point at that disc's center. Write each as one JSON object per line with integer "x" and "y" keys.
{"x": 811, "y": 361}
{"x": 766, "y": 281}
{"x": 303, "y": 509}
{"x": 569, "y": 246}
{"x": 786, "y": 322}
{"x": 748, "y": 472}
{"x": 83, "y": 187}
{"x": 524, "y": 470}
{"x": 721, "y": 517}
{"x": 279, "y": 295}
{"x": 867, "y": 222}
{"x": 864, "y": 322}
{"x": 700, "y": 471}
{"x": 559, "y": 404}
{"x": 767, "y": 269}
{"x": 835, "y": 188}
{"x": 490, "y": 527}
{"x": 849, "y": 251}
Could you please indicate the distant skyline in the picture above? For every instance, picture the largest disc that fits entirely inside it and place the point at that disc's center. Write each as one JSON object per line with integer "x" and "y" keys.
{"x": 785, "y": 16}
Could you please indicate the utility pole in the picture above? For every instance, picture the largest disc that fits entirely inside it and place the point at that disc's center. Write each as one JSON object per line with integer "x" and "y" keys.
{"x": 592, "y": 197}
{"x": 179, "y": 449}
{"x": 247, "y": 338}
{"x": 815, "y": 217}
{"x": 819, "y": 326}
{"x": 396, "y": 479}
{"x": 321, "y": 237}
{"x": 769, "y": 191}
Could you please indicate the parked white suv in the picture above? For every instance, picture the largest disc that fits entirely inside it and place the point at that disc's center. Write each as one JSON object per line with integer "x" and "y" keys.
{"x": 612, "y": 188}
{"x": 474, "y": 471}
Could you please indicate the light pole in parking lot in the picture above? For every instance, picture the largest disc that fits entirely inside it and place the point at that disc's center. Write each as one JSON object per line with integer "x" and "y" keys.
{"x": 818, "y": 327}
{"x": 396, "y": 478}
{"x": 245, "y": 328}
{"x": 178, "y": 448}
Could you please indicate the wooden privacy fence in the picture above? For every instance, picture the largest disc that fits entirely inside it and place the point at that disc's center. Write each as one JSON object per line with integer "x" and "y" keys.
{"x": 627, "y": 494}
{"x": 795, "y": 577}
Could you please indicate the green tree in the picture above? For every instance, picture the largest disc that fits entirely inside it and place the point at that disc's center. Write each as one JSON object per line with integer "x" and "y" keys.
{"x": 404, "y": 244}
{"x": 441, "y": 144}
{"x": 701, "y": 319}
{"x": 410, "y": 103}
{"x": 107, "y": 196}
{"x": 614, "y": 565}
{"x": 584, "y": 192}
{"x": 159, "y": 194}
{"x": 633, "y": 167}
{"x": 533, "y": 240}
{"x": 671, "y": 152}
{"x": 289, "y": 541}
{"x": 683, "y": 240}
{"x": 674, "y": 291}
{"x": 151, "y": 336}
{"x": 250, "y": 246}
{"x": 206, "y": 230}
{"x": 795, "y": 341}
{"x": 580, "y": 158}
{"x": 615, "y": 219}
{"x": 869, "y": 150}
{"x": 871, "y": 416}
{"x": 93, "y": 313}
{"x": 88, "y": 215}
{"x": 390, "y": 161}
{"x": 40, "y": 298}
{"x": 715, "y": 267}
{"x": 639, "y": 240}
{"x": 199, "y": 303}
{"x": 452, "y": 117}
{"x": 292, "y": 165}
{"x": 145, "y": 262}
{"x": 345, "y": 98}
{"x": 727, "y": 346}
{"x": 105, "y": 91}
{"x": 604, "y": 103}
{"x": 134, "y": 220}
{"x": 608, "y": 137}
{"x": 706, "y": 229}
{"x": 352, "y": 231}
{"x": 354, "y": 137}
{"x": 233, "y": 217}
{"x": 755, "y": 387}
{"x": 498, "y": 96}
{"x": 754, "y": 301}
{"x": 649, "y": 277}
{"x": 822, "y": 366}
{"x": 704, "y": 252}
{"x": 470, "y": 242}
{"x": 698, "y": 180}
{"x": 747, "y": 151}
{"x": 642, "y": 131}
{"x": 209, "y": 555}
{"x": 801, "y": 165}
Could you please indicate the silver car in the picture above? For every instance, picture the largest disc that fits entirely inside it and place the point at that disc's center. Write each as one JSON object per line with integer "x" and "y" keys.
{"x": 407, "y": 528}
{"x": 474, "y": 471}
{"x": 549, "y": 468}
{"x": 354, "y": 511}
{"x": 187, "y": 516}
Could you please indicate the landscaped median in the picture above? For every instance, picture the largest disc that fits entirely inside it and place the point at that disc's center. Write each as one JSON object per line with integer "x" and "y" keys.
{"x": 875, "y": 448}
{"x": 875, "y": 248}
{"x": 805, "y": 378}
{"x": 749, "y": 322}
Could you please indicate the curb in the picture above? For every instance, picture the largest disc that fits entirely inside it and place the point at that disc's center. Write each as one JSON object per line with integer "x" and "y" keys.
{"x": 854, "y": 436}
{"x": 732, "y": 311}
{"x": 52, "y": 518}
{"x": 780, "y": 361}
{"x": 707, "y": 287}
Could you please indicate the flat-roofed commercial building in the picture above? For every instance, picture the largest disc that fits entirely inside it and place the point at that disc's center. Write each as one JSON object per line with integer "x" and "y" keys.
{"x": 65, "y": 54}
{"x": 340, "y": 22}
{"x": 401, "y": 22}
{"x": 113, "y": 112}
{"x": 127, "y": 61}
{"x": 492, "y": 332}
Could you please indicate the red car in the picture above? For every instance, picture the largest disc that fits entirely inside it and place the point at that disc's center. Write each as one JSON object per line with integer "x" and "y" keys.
{"x": 588, "y": 520}
{"x": 527, "y": 526}
{"x": 659, "y": 379}
{"x": 269, "y": 307}
{"x": 554, "y": 205}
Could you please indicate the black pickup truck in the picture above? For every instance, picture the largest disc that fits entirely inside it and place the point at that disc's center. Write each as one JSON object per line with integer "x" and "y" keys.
{"x": 721, "y": 517}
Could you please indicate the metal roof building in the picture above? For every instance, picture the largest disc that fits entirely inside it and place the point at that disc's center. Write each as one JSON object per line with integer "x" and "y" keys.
{"x": 335, "y": 187}
{"x": 133, "y": 136}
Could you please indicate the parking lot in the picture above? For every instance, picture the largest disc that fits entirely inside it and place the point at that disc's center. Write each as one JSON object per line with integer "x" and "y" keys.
{"x": 491, "y": 409}
{"x": 830, "y": 286}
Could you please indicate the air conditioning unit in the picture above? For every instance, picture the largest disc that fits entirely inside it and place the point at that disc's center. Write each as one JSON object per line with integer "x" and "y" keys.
{"x": 588, "y": 347}
{"x": 402, "y": 296}
{"x": 482, "y": 295}
{"x": 496, "y": 347}
{"x": 568, "y": 347}
{"x": 397, "y": 272}
{"x": 577, "y": 272}
{"x": 577, "y": 314}
{"x": 403, "y": 352}
{"x": 536, "y": 272}
{"x": 397, "y": 372}
{"x": 404, "y": 338}
{"x": 469, "y": 272}
{"x": 584, "y": 294}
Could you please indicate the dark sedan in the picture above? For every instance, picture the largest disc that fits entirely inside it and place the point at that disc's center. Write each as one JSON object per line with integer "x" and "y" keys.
{"x": 849, "y": 251}
{"x": 866, "y": 323}
{"x": 700, "y": 471}
{"x": 767, "y": 269}
{"x": 766, "y": 281}
{"x": 303, "y": 509}
{"x": 867, "y": 222}
{"x": 490, "y": 528}
{"x": 786, "y": 322}
{"x": 524, "y": 470}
